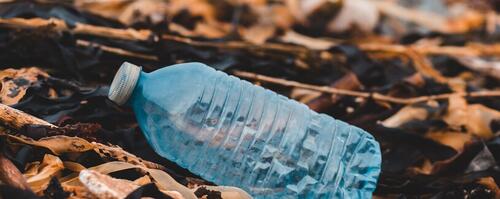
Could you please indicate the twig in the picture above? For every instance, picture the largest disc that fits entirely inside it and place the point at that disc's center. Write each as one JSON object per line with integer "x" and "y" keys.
{"x": 117, "y": 51}
{"x": 471, "y": 49}
{"x": 424, "y": 66}
{"x": 79, "y": 28}
{"x": 373, "y": 95}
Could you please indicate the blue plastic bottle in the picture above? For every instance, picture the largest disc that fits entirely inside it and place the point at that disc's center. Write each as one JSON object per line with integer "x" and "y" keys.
{"x": 234, "y": 133}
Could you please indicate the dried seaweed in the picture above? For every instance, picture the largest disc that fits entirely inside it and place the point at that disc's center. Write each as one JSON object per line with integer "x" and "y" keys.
{"x": 422, "y": 77}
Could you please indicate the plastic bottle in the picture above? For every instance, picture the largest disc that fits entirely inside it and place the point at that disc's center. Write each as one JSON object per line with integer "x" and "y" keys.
{"x": 234, "y": 133}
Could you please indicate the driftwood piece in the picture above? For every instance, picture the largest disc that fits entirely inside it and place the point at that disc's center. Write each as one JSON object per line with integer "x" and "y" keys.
{"x": 105, "y": 187}
{"x": 17, "y": 119}
{"x": 10, "y": 175}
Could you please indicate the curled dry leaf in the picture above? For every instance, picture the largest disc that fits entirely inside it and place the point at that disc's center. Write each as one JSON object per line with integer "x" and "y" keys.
{"x": 15, "y": 82}
{"x": 40, "y": 174}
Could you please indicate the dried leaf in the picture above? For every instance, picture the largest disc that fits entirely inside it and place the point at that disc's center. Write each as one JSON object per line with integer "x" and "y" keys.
{"x": 57, "y": 144}
{"x": 406, "y": 114}
{"x": 455, "y": 140}
{"x": 14, "y": 83}
{"x": 48, "y": 168}
{"x": 258, "y": 34}
{"x": 476, "y": 118}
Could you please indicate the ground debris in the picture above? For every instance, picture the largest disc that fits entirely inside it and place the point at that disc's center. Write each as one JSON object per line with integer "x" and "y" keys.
{"x": 421, "y": 76}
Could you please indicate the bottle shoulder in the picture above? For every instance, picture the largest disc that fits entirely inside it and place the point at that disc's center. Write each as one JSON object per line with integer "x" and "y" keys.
{"x": 175, "y": 86}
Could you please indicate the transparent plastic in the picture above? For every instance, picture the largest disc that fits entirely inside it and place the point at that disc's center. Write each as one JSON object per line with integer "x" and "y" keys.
{"x": 231, "y": 132}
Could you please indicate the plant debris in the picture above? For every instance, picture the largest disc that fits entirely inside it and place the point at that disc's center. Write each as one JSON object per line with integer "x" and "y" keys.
{"x": 421, "y": 76}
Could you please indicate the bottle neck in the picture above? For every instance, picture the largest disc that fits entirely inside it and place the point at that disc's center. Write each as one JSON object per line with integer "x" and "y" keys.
{"x": 137, "y": 92}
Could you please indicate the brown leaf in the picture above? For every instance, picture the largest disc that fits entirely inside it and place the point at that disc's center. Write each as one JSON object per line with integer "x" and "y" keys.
{"x": 258, "y": 34}
{"x": 456, "y": 140}
{"x": 14, "y": 83}
{"x": 57, "y": 144}
{"x": 476, "y": 118}
{"x": 406, "y": 114}
{"x": 43, "y": 172}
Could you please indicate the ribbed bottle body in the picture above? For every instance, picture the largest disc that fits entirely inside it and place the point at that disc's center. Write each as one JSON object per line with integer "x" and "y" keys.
{"x": 234, "y": 133}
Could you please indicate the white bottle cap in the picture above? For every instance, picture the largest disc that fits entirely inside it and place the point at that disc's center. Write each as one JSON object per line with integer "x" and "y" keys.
{"x": 124, "y": 83}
